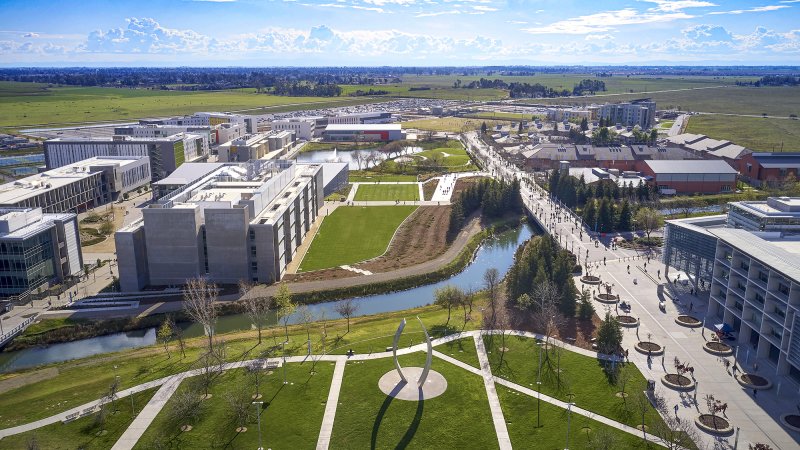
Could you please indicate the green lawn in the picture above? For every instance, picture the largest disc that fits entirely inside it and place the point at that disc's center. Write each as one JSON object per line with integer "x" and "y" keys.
{"x": 449, "y": 124}
{"x": 291, "y": 418}
{"x": 28, "y": 104}
{"x": 755, "y": 133}
{"x": 520, "y": 414}
{"x": 351, "y": 234}
{"x": 449, "y": 157}
{"x": 84, "y": 433}
{"x": 580, "y": 375}
{"x": 367, "y": 418}
{"x": 357, "y": 176}
{"x": 387, "y": 192}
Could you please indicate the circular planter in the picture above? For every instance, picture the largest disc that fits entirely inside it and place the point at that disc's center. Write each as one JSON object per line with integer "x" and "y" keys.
{"x": 718, "y": 348}
{"x": 791, "y": 421}
{"x": 688, "y": 321}
{"x": 753, "y": 381}
{"x": 677, "y": 382}
{"x": 649, "y": 348}
{"x": 590, "y": 279}
{"x": 628, "y": 321}
{"x": 715, "y": 425}
{"x": 606, "y": 298}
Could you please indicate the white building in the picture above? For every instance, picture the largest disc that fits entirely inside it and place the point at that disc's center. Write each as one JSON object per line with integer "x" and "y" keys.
{"x": 240, "y": 222}
{"x": 166, "y": 153}
{"x": 304, "y": 128}
{"x": 270, "y": 145}
{"x": 637, "y": 112}
{"x": 78, "y": 187}
{"x": 364, "y": 132}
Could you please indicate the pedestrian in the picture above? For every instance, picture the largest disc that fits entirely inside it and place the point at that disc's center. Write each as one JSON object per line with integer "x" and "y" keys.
{"x": 691, "y": 305}
{"x": 755, "y": 392}
{"x": 676, "y": 410}
{"x": 659, "y": 274}
{"x": 629, "y": 269}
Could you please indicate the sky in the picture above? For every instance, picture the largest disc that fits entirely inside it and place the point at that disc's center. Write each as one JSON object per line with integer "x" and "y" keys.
{"x": 398, "y": 32}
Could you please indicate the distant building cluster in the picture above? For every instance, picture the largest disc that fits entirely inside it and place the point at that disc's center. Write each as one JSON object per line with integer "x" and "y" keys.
{"x": 637, "y": 112}
{"x": 10, "y": 143}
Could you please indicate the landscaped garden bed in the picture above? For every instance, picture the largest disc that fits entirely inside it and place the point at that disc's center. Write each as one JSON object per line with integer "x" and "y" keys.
{"x": 606, "y": 298}
{"x": 718, "y": 348}
{"x": 678, "y": 382}
{"x": 628, "y": 321}
{"x": 688, "y": 321}
{"x": 792, "y": 421}
{"x": 590, "y": 279}
{"x": 649, "y": 348}
{"x": 713, "y": 424}
{"x": 753, "y": 381}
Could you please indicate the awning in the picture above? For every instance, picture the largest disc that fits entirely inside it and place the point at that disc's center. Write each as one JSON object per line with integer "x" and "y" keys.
{"x": 724, "y": 327}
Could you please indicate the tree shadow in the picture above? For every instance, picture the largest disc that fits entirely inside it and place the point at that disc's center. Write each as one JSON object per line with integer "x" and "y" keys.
{"x": 441, "y": 330}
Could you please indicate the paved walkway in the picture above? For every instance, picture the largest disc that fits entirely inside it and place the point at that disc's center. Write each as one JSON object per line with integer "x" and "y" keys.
{"x": 143, "y": 420}
{"x": 326, "y": 430}
{"x": 494, "y": 402}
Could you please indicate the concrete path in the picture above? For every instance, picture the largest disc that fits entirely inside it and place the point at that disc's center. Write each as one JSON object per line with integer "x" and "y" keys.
{"x": 143, "y": 420}
{"x": 494, "y": 402}
{"x": 326, "y": 430}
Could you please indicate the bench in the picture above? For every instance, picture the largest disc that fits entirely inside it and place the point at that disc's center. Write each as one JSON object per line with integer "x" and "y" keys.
{"x": 271, "y": 365}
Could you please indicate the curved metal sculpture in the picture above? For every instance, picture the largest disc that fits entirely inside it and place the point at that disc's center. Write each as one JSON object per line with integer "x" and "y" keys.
{"x": 428, "y": 358}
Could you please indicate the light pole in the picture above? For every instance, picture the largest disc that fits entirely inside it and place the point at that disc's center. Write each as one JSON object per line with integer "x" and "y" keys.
{"x": 539, "y": 388}
{"x": 259, "y": 407}
{"x": 283, "y": 346}
{"x": 569, "y": 416}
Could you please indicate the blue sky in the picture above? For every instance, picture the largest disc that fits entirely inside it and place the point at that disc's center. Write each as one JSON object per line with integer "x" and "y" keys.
{"x": 398, "y": 32}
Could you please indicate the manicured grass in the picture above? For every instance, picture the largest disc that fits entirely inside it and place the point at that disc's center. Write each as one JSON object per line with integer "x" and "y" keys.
{"x": 352, "y": 234}
{"x": 357, "y": 176}
{"x": 580, "y": 375}
{"x": 755, "y": 133}
{"x": 447, "y": 156}
{"x": 520, "y": 414}
{"x": 80, "y": 381}
{"x": 462, "y": 350}
{"x": 449, "y": 124}
{"x": 291, "y": 417}
{"x": 27, "y": 105}
{"x": 387, "y": 192}
{"x": 367, "y": 418}
{"x": 83, "y": 433}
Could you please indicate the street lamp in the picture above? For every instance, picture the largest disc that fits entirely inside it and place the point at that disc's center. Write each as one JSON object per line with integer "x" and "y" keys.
{"x": 569, "y": 416}
{"x": 283, "y": 350}
{"x": 259, "y": 406}
{"x": 539, "y": 387}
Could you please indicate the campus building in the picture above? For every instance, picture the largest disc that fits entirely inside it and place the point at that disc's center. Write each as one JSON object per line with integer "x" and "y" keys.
{"x": 304, "y": 128}
{"x": 36, "y": 250}
{"x": 623, "y": 158}
{"x": 776, "y": 214}
{"x": 753, "y": 279}
{"x": 638, "y": 112}
{"x": 78, "y": 187}
{"x": 240, "y": 222}
{"x": 166, "y": 153}
{"x": 770, "y": 169}
{"x": 270, "y": 145}
{"x": 690, "y": 177}
{"x": 363, "y": 132}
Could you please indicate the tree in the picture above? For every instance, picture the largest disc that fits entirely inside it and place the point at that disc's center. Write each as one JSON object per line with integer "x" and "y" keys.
{"x": 483, "y": 128}
{"x": 586, "y": 309}
{"x": 466, "y": 303}
{"x": 107, "y": 227}
{"x": 238, "y": 401}
{"x": 211, "y": 363}
{"x": 257, "y": 308}
{"x": 491, "y": 279}
{"x": 347, "y": 309}
{"x": 283, "y": 300}
{"x": 649, "y": 220}
{"x": 546, "y": 317}
{"x": 178, "y": 333}
{"x": 609, "y": 335}
{"x": 590, "y": 214}
{"x": 185, "y": 407}
{"x": 306, "y": 318}
{"x": 642, "y": 405}
{"x": 675, "y": 433}
{"x": 603, "y": 439}
{"x": 624, "y": 218}
{"x": 164, "y": 333}
{"x": 448, "y": 297}
{"x": 199, "y": 303}
{"x": 653, "y": 135}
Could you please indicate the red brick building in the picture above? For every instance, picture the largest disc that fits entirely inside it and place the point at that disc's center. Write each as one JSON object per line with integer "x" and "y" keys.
{"x": 703, "y": 176}
{"x": 768, "y": 168}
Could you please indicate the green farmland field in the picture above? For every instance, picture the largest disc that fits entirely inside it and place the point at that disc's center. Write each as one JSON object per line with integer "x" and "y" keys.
{"x": 351, "y": 234}
{"x": 387, "y": 192}
{"x": 755, "y": 133}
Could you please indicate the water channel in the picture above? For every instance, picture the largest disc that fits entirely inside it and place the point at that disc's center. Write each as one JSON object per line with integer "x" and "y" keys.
{"x": 497, "y": 252}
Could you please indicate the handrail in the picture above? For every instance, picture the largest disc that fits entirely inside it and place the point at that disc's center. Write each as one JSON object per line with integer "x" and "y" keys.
{"x": 16, "y": 330}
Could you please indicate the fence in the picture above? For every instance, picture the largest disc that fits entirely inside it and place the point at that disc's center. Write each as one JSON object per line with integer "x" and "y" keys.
{"x": 5, "y": 338}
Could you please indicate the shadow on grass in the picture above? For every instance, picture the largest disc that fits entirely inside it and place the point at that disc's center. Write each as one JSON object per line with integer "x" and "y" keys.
{"x": 412, "y": 428}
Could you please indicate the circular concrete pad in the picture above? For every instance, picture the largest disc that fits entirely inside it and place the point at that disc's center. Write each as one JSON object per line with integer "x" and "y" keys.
{"x": 391, "y": 384}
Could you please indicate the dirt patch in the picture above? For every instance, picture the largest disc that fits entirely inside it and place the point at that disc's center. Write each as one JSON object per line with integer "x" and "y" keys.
{"x": 793, "y": 420}
{"x": 575, "y": 331}
{"x": 718, "y": 346}
{"x": 27, "y": 378}
{"x": 649, "y": 346}
{"x": 324, "y": 274}
{"x": 677, "y": 379}
{"x": 429, "y": 188}
{"x": 422, "y": 237}
{"x": 713, "y": 422}
{"x": 754, "y": 380}
{"x": 689, "y": 320}
{"x": 464, "y": 183}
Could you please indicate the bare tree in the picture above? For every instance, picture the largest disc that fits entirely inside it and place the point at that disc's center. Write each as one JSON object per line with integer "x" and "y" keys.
{"x": 648, "y": 220}
{"x": 185, "y": 407}
{"x": 347, "y": 309}
{"x": 491, "y": 279}
{"x": 675, "y": 433}
{"x": 199, "y": 303}
{"x": 467, "y": 299}
{"x": 257, "y": 308}
{"x": 546, "y": 316}
{"x": 622, "y": 378}
{"x": 306, "y": 318}
{"x": 502, "y": 322}
{"x": 211, "y": 365}
{"x": 283, "y": 300}
{"x": 255, "y": 371}
{"x": 603, "y": 439}
{"x": 239, "y": 403}
{"x": 177, "y": 331}
{"x": 642, "y": 405}
{"x": 359, "y": 157}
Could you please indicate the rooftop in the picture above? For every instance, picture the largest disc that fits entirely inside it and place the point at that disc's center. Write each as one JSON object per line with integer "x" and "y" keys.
{"x": 363, "y": 127}
{"x": 697, "y": 166}
{"x": 21, "y": 223}
{"x": 188, "y": 172}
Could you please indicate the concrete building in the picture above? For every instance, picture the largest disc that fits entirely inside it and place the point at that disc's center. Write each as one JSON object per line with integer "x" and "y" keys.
{"x": 240, "y": 222}
{"x": 304, "y": 128}
{"x": 208, "y": 119}
{"x": 78, "y": 187}
{"x": 166, "y": 153}
{"x": 623, "y": 157}
{"x": 36, "y": 250}
{"x": 776, "y": 214}
{"x": 363, "y": 132}
{"x": 186, "y": 174}
{"x": 270, "y": 145}
{"x": 566, "y": 114}
{"x": 362, "y": 118}
{"x": 690, "y": 177}
{"x": 753, "y": 279}
{"x": 638, "y": 112}
{"x": 768, "y": 168}
{"x": 335, "y": 175}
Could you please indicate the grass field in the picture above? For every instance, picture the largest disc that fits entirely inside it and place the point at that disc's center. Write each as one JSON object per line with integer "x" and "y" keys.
{"x": 29, "y": 104}
{"x": 755, "y": 133}
{"x": 84, "y": 433}
{"x": 291, "y": 417}
{"x": 449, "y": 124}
{"x": 367, "y": 418}
{"x": 448, "y": 156}
{"x": 357, "y": 176}
{"x": 352, "y": 234}
{"x": 387, "y": 192}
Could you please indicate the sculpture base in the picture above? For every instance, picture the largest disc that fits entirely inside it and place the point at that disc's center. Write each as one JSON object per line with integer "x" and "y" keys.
{"x": 391, "y": 384}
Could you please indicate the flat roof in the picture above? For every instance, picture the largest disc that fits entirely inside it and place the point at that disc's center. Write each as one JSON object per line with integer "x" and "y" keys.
{"x": 692, "y": 166}
{"x": 364, "y": 127}
{"x": 188, "y": 172}
{"x": 771, "y": 251}
{"x": 24, "y": 188}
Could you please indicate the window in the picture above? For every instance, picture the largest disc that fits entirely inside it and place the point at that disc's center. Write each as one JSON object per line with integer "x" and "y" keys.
{"x": 762, "y": 276}
{"x": 252, "y": 235}
{"x": 749, "y": 167}
{"x": 783, "y": 289}
{"x": 253, "y": 251}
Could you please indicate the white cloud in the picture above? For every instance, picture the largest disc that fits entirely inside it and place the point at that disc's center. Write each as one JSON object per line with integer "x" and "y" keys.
{"x": 484, "y": 8}
{"x": 439, "y": 13}
{"x": 342, "y": 5}
{"x": 605, "y": 21}
{"x": 30, "y": 35}
{"x": 598, "y": 37}
{"x": 677, "y": 5}
{"x": 145, "y": 36}
{"x": 390, "y": 2}
{"x": 756, "y": 9}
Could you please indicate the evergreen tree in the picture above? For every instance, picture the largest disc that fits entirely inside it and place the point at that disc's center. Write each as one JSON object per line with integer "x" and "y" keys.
{"x": 590, "y": 213}
{"x": 456, "y": 218}
{"x": 605, "y": 216}
{"x": 552, "y": 182}
{"x": 609, "y": 335}
{"x": 584, "y": 124}
{"x": 625, "y": 215}
{"x": 483, "y": 128}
